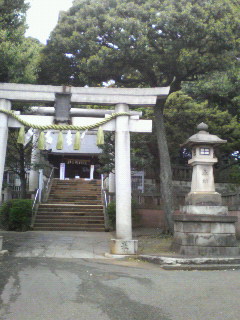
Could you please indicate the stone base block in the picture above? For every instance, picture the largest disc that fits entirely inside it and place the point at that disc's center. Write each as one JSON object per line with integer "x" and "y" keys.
{"x": 204, "y": 199}
{"x": 205, "y": 235}
{"x": 211, "y": 210}
{"x": 125, "y": 247}
{"x": 1, "y": 242}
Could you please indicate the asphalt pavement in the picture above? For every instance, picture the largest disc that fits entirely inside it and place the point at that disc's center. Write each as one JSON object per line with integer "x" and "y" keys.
{"x": 38, "y": 283}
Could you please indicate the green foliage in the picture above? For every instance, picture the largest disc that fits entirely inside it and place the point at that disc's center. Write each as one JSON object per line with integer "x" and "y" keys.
{"x": 235, "y": 174}
{"x": 18, "y": 158}
{"x": 218, "y": 88}
{"x": 143, "y": 152}
{"x": 111, "y": 211}
{"x": 183, "y": 114}
{"x": 24, "y": 68}
{"x": 107, "y": 157}
{"x": 141, "y": 43}
{"x": 19, "y": 56}
{"x": 191, "y": 43}
{"x": 15, "y": 215}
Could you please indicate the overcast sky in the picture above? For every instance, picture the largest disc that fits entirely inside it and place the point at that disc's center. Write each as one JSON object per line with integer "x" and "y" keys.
{"x": 43, "y": 15}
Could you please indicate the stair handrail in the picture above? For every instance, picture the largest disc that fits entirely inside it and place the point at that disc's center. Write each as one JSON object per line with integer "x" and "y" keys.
{"x": 39, "y": 195}
{"x": 35, "y": 205}
{"x": 46, "y": 188}
{"x": 105, "y": 203}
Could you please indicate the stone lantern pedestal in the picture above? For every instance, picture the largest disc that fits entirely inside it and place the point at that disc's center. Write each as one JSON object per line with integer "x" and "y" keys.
{"x": 203, "y": 226}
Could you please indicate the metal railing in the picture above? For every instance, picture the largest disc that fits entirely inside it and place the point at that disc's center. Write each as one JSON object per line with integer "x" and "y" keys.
{"x": 35, "y": 206}
{"x": 47, "y": 185}
{"x": 105, "y": 202}
{"x": 41, "y": 194}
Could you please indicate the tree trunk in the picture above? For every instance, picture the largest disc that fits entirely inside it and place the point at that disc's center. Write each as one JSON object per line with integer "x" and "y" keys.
{"x": 165, "y": 165}
{"x": 23, "y": 193}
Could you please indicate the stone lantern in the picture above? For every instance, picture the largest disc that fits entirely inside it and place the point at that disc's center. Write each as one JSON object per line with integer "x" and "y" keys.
{"x": 202, "y": 187}
{"x": 203, "y": 226}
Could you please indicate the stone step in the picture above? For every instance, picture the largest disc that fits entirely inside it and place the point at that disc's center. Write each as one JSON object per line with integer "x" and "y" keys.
{"x": 86, "y": 203}
{"x": 82, "y": 208}
{"x": 79, "y": 189}
{"x": 72, "y": 205}
{"x": 68, "y": 221}
{"x": 67, "y": 207}
{"x": 76, "y": 201}
{"x": 68, "y": 212}
{"x": 79, "y": 197}
{"x": 61, "y": 214}
{"x": 75, "y": 182}
{"x": 68, "y": 224}
{"x": 67, "y": 218}
{"x": 75, "y": 190}
{"x": 70, "y": 228}
{"x": 62, "y": 204}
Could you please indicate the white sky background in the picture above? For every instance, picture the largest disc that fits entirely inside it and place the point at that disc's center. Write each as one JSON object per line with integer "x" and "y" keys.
{"x": 42, "y": 17}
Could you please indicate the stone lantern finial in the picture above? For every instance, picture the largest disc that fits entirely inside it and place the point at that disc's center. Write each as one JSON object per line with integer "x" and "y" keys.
{"x": 202, "y": 127}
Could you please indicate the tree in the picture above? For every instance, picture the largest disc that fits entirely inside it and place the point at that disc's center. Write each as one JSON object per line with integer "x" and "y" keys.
{"x": 26, "y": 62}
{"x": 143, "y": 43}
{"x": 18, "y": 159}
{"x": 19, "y": 60}
{"x": 143, "y": 153}
{"x": 180, "y": 106}
{"x": 19, "y": 56}
{"x": 12, "y": 29}
{"x": 219, "y": 88}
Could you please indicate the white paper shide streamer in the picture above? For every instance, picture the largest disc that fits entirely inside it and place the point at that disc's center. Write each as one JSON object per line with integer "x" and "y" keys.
{"x": 69, "y": 139}
{"x": 28, "y": 136}
{"x": 49, "y": 139}
{"x": 83, "y": 134}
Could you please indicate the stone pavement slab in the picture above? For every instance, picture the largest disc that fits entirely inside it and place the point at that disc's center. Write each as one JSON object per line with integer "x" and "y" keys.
{"x": 56, "y": 244}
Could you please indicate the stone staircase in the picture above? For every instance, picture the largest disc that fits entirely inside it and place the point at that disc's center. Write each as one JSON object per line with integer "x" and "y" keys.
{"x": 72, "y": 205}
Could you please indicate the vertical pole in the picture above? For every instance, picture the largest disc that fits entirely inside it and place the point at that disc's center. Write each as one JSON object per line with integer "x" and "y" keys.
{"x": 62, "y": 171}
{"x": 123, "y": 244}
{"x": 40, "y": 184}
{"x": 91, "y": 171}
{"x": 6, "y": 105}
{"x": 35, "y": 159}
{"x": 111, "y": 183}
{"x": 123, "y": 175}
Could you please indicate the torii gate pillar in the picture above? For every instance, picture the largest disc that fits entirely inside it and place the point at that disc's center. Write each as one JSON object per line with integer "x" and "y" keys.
{"x": 124, "y": 243}
{"x": 6, "y": 105}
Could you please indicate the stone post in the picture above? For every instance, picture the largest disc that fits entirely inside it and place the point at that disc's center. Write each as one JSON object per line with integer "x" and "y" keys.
{"x": 124, "y": 243}
{"x": 112, "y": 186}
{"x": 35, "y": 158}
{"x": 6, "y": 105}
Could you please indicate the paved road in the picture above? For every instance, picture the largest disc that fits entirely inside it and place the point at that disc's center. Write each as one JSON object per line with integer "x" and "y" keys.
{"x": 71, "y": 289}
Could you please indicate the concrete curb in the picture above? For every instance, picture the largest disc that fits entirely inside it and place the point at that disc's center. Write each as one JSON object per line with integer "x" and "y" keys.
{"x": 205, "y": 267}
{"x": 161, "y": 260}
{"x": 190, "y": 264}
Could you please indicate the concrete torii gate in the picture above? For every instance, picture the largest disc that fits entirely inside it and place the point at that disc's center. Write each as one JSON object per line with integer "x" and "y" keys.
{"x": 122, "y": 98}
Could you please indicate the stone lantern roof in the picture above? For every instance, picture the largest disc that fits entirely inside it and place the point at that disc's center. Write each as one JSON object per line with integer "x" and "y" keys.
{"x": 203, "y": 137}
